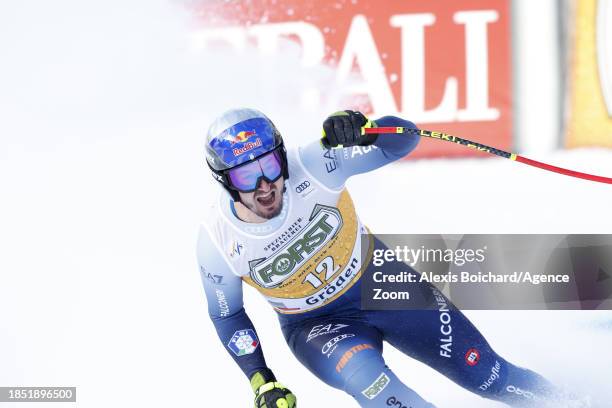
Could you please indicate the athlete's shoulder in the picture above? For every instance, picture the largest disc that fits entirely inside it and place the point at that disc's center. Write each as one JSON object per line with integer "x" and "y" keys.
{"x": 304, "y": 163}
{"x": 213, "y": 220}
{"x": 306, "y": 153}
{"x": 323, "y": 165}
{"x": 210, "y": 248}
{"x": 294, "y": 158}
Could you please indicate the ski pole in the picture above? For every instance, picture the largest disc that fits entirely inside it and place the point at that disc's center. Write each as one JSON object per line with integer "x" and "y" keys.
{"x": 488, "y": 149}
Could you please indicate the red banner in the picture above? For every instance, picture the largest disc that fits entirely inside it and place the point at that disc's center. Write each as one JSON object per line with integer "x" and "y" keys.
{"x": 445, "y": 65}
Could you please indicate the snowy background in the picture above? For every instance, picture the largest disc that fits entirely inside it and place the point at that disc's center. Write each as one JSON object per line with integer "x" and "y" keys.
{"x": 103, "y": 109}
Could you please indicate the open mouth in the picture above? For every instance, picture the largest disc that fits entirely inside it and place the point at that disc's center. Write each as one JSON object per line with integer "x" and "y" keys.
{"x": 266, "y": 199}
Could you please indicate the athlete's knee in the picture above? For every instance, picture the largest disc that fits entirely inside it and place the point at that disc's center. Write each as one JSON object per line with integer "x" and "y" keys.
{"x": 369, "y": 368}
{"x": 333, "y": 351}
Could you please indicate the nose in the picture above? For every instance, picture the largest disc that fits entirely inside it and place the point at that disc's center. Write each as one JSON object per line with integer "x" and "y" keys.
{"x": 264, "y": 186}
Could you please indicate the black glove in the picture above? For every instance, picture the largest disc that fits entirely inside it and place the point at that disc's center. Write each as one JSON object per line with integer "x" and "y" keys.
{"x": 269, "y": 393}
{"x": 345, "y": 128}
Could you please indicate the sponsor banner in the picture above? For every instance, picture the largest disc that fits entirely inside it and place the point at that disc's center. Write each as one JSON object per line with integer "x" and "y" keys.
{"x": 325, "y": 223}
{"x": 590, "y": 79}
{"x": 488, "y": 272}
{"x": 443, "y": 65}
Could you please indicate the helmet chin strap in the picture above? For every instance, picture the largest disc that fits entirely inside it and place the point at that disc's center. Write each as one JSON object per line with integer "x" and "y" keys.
{"x": 233, "y": 193}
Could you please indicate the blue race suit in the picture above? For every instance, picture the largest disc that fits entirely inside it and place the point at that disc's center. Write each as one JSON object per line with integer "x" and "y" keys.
{"x": 307, "y": 264}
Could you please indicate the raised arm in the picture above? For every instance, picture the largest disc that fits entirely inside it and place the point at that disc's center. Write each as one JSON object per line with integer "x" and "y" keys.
{"x": 334, "y": 166}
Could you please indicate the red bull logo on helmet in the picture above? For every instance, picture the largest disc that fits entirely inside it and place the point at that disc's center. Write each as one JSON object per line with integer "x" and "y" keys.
{"x": 245, "y": 140}
{"x": 241, "y": 136}
{"x": 247, "y": 146}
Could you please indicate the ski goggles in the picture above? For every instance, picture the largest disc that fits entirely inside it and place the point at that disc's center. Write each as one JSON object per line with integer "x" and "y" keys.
{"x": 246, "y": 177}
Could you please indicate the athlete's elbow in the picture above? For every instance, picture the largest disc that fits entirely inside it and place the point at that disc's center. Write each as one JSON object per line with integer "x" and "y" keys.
{"x": 225, "y": 313}
{"x": 397, "y": 144}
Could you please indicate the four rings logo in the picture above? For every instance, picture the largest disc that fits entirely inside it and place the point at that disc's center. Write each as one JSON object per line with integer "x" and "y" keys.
{"x": 323, "y": 225}
{"x": 302, "y": 186}
{"x": 516, "y": 390}
{"x": 329, "y": 347}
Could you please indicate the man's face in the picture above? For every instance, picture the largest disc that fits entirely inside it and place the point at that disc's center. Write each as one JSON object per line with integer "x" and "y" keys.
{"x": 267, "y": 200}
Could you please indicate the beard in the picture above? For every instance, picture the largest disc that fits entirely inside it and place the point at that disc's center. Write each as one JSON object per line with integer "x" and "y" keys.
{"x": 265, "y": 211}
{"x": 274, "y": 213}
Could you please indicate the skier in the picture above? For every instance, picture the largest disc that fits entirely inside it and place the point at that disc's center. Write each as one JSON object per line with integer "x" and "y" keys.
{"x": 286, "y": 225}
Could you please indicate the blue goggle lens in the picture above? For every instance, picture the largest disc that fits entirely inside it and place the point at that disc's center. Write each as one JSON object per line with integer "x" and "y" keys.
{"x": 246, "y": 177}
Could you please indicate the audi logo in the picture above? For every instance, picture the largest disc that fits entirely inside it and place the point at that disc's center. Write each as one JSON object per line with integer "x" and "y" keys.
{"x": 302, "y": 186}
